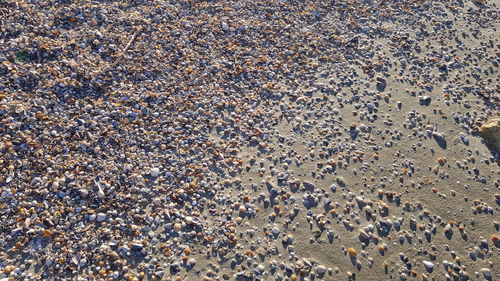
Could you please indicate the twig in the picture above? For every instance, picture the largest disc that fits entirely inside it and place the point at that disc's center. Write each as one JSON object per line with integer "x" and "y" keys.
{"x": 132, "y": 40}
{"x": 129, "y": 44}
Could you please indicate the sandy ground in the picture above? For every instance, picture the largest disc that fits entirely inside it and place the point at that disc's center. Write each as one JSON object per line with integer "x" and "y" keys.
{"x": 457, "y": 189}
{"x": 371, "y": 168}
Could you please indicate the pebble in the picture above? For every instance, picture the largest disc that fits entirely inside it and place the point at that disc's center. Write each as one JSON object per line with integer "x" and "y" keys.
{"x": 429, "y": 266}
{"x": 177, "y": 227}
{"x": 154, "y": 172}
{"x": 320, "y": 269}
{"x": 309, "y": 185}
{"x": 275, "y": 231}
{"x": 486, "y": 273}
{"x": 101, "y": 217}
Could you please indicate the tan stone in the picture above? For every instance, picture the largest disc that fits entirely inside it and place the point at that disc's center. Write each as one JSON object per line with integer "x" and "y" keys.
{"x": 490, "y": 130}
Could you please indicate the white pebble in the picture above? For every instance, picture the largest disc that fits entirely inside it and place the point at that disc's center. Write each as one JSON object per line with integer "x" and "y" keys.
{"x": 101, "y": 217}
{"x": 154, "y": 172}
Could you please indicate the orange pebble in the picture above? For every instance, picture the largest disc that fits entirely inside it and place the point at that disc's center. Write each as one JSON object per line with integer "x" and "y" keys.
{"x": 495, "y": 239}
{"x": 352, "y": 252}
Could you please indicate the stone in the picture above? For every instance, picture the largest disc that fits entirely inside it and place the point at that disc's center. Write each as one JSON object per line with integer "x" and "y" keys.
{"x": 84, "y": 193}
{"x": 486, "y": 273}
{"x": 101, "y": 217}
{"x": 275, "y": 231}
{"x": 321, "y": 269}
{"x": 490, "y": 131}
{"x": 425, "y": 100}
{"x": 309, "y": 185}
{"x": 154, "y": 172}
{"x": 136, "y": 247}
{"x": 429, "y": 266}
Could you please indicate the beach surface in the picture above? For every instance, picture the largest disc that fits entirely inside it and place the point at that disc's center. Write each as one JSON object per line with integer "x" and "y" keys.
{"x": 249, "y": 140}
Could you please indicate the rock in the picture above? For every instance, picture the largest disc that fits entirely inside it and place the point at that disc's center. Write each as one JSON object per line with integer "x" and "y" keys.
{"x": 368, "y": 209}
{"x": 100, "y": 193}
{"x": 159, "y": 273}
{"x": 381, "y": 84}
{"x": 448, "y": 231}
{"x": 464, "y": 138}
{"x": 425, "y": 100}
{"x": 288, "y": 239}
{"x": 363, "y": 235}
{"x": 275, "y": 231}
{"x": 189, "y": 220}
{"x": 321, "y": 269}
{"x": 157, "y": 201}
{"x": 440, "y": 139}
{"x": 154, "y": 172}
{"x": 490, "y": 131}
{"x": 136, "y": 247}
{"x": 429, "y": 266}
{"x": 174, "y": 268}
{"x": 84, "y": 193}
{"x": 177, "y": 227}
{"x": 486, "y": 273}
{"x": 309, "y": 185}
{"x": 341, "y": 181}
{"x": 101, "y": 217}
